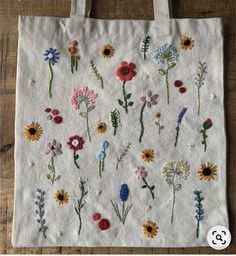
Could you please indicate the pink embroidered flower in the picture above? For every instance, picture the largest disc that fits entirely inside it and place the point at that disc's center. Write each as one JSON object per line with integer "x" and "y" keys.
{"x": 75, "y": 143}
{"x": 53, "y": 148}
{"x": 141, "y": 172}
{"x": 85, "y": 95}
{"x": 126, "y": 71}
{"x": 150, "y": 99}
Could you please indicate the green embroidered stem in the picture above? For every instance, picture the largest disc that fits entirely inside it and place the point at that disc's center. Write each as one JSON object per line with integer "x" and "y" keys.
{"x": 96, "y": 73}
{"x": 52, "y": 172}
{"x": 173, "y": 202}
{"x": 76, "y": 65}
{"x": 141, "y": 122}
{"x": 101, "y": 167}
{"x": 76, "y": 157}
{"x": 145, "y": 46}
{"x": 51, "y": 79}
{"x": 87, "y": 122}
{"x": 80, "y": 204}
{"x": 124, "y": 211}
{"x": 204, "y": 139}
{"x": 43, "y": 230}
{"x": 150, "y": 188}
{"x": 125, "y": 99}
{"x": 199, "y": 209}
{"x": 199, "y": 101}
{"x": 177, "y": 135}
{"x": 122, "y": 155}
{"x": 115, "y": 119}
{"x": 72, "y": 61}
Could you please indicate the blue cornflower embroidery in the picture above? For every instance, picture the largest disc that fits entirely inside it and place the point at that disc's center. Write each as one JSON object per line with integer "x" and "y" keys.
{"x": 51, "y": 55}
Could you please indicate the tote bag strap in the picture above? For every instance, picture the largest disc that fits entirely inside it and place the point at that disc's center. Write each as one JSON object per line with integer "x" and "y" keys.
{"x": 82, "y": 8}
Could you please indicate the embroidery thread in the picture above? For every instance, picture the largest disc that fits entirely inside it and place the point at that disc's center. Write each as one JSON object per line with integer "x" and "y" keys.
{"x": 179, "y": 120}
{"x": 115, "y": 119}
{"x": 141, "y": 174}
{"x": 199, "y": 81}
{"x": 123, "y": 155}
{"x": 207, "y": 124}
{"x": 166, "y": 55}
{"x": 51, "y": 55}
{"x": 71, "y": 51}
{"x": 199, "y": 209}
{"x": 150, "y": 229}
{"x": 40, "y": 212}
{"x": 80, "y": 203}
{"x": 33, "y": 131}
{"x": 123, "y": 213}
{"x": 126, "y": 72}
{"x": 75, "y": 143}
{"x": 88, "y": 97}
{"x": 171, "y": 171}
{"x": 207, "y": 171}
{"x": 149, "y": 101}
{"x": 158, "y": 123}
{"x": 96, "y": 73}
{"x": 145, "y": 46}
{"x": 54, "y": 149}
{"x": 101, "y": 155}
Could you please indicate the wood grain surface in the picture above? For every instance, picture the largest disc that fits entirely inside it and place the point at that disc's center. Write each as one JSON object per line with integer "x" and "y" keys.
{"x": 112, "y": 9}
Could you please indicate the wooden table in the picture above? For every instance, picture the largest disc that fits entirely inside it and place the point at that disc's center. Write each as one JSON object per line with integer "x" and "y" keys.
{"x": 112, "y": 9}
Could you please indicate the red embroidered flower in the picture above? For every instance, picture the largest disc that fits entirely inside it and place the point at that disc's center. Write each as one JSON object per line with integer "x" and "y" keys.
{"x": 126, "y": 71}
{"x": 104, "y": 224}
{"x": 75, "y": 143}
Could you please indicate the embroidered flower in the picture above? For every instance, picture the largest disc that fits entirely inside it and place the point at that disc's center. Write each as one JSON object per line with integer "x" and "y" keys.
{"x": 166, "y": 55}
{"x": 88, "y": 98}
{"x": 71, "y": 51}
{"x": 150, "y": 229}
{"x": 101, "y": 155}
{"x": 147, "y": 155}
{"x": 170, "y": 171}
{"x": 101, "y": 127}
{"x": 33, "y": 131}
{"x": 158, "y": 122}
{"x": 179, "y": 120}
{"x": 107, "y": 51}
{"x": 141, "y": 173}
{"x": 61, "y": 197}
{"x": 53, "y": 148}
{"x": 207, "y": 171}
{"x": 186, "y": 43}
{"x": 75, "y": 143}
{"x": 51, "y": 55}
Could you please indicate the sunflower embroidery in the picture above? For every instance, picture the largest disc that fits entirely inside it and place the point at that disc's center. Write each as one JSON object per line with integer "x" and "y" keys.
{"x": 101, "y": 127}
{"x": 61, "y": 197}
{"x": 207, "y": 171}
{"x": 33, "y": 131}
{"x": 147, "y": 155}
{"x": 150, "y": 229}
{"x": 107, "y": 51}
{"x": 186, "y": 43}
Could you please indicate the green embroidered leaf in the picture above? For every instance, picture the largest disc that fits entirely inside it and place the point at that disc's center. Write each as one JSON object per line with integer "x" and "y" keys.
{"x": 123, "y": 154}
{"x": 120, "y": 102}
{"x": 115, "y": 119}
{"x": 152, "y": 188}
{"x": 144, "y": 186}
{"x": 49, "y": 176}
{"x": 76, "y": 157}
{"x": 161, "y": 71}
{"x": 83, "y": 114}
{"x": 95, "y": 71}
{"x": 58, "y": 177}
{"x": 172, "y": 65}
{"x": 178, "y": 187}
{"x": 130, "y": 104}
{"x": 91, "y": 108}
{"x": 145, "y": 45}
{"x": 128, "y": 96}
{"x": 169, "y": 181}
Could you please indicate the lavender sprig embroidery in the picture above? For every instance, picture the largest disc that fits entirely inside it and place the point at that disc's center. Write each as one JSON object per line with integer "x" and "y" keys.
{"x": 179, "y": 120}
{"x": 80, "y": 203}
{"x": 149, "y": 101}
{"x": 199, "y": 209}
{"x": 101, "y": 155}
{"x": 51, "y": 55}
{"x": 40, "y": 212}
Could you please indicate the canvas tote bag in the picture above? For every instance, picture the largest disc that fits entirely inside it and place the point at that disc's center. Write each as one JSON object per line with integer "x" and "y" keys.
{"x": 120, "y": 136}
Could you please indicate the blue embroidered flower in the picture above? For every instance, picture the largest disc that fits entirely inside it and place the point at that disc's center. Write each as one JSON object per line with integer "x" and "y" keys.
{"x": 181, "y": 115}
{"x": 104, "y": 144}
{"x": 100, "y": 155}
{"x": 124, "y": 192}
{"x": 52, "y": 55}
{"x": 165, "y": 52}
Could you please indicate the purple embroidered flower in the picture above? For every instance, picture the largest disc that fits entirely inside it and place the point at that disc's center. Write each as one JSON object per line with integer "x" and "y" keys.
{"x": 53, "y": 148}
{"x": 181, "y": 115}
{"x": 150, "y": 99}
{"x": 141, "y": 172}
{"x": 52, "y": 55}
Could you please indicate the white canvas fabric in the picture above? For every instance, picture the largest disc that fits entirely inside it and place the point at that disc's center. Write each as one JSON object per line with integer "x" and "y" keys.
{"x": 39, "y": 219}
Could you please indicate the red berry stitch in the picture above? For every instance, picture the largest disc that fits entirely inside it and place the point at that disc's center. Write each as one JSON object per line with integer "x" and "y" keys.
{"x": 55, "y": 112}
{"x": 104, "y": 224}
{"x": 178, "y": 83}
{"x": 47, "y": 110}
{"x": 57, "y": 119}
{"x": 96, "y": 216}
{"x": 182, "y": 90}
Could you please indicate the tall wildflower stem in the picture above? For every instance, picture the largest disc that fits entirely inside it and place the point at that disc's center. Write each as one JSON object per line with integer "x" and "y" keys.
{"x": 173, "y": 199}
{"x": 50, "y": 82}
{"x": 87, "y": 122}
{"x": 125, "y": 98}
{"x": 141, "y": 122}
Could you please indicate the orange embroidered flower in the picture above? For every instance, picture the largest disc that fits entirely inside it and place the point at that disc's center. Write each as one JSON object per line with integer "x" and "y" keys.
{"x": 207, "y": 171}
{"x": 33, "y": 131}
{"x": 186, "y": 43}
{"x": 150, "y": 229}
{"x": 61, "y": 197}
{"x": 71, "y": 50}
{"x": 147, "y": 155}
{"x": 74, "y": 43}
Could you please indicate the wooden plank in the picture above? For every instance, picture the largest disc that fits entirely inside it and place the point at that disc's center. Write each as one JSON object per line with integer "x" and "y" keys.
{"x": 112, "y": 9}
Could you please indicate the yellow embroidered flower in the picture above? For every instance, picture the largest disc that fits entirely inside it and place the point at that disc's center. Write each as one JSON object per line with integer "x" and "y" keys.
{"x": 186, "y": 43}
{"x": 61, "y": 197}
{"x": 147, "y": 155}
{"x": 207, "y": 171}
{"x": 101, "y": 127}
{"x": 107, "y": 51}
{"x": 33, "y": 131}
{"x": 150, "y": 229}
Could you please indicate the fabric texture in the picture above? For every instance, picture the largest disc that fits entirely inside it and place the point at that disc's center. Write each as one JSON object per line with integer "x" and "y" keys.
{"x": 96, "y": 166}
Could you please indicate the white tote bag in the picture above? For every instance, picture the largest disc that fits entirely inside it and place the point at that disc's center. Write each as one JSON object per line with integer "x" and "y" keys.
{"x": 120, "y": 136}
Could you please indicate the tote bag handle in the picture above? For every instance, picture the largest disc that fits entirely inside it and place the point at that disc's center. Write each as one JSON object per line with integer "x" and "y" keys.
{"x": 82, "y": 8}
